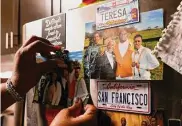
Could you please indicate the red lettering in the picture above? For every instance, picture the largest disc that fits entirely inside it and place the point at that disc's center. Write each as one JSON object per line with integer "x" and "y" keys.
{"x": 117, "y": 86}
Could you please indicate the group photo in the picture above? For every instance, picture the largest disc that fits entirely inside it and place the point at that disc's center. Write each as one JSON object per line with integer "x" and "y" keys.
{"x": 61, "y": 87}
{"x": 78, "y": 87}
{"x": 125, "y": 52}
{"x": 52, "y": 89}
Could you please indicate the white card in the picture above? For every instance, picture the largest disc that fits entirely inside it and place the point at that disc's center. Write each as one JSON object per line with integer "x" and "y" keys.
{"x": 127, "y": 96}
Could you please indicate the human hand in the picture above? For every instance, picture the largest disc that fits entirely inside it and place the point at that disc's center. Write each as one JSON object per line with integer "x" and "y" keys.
{"x": 137, "y": 65}
{"x": 133, "y": 64}
{"x": 73, "y": 116}
{"x": 26, "y": 72}
{"x": 102, "y": 53}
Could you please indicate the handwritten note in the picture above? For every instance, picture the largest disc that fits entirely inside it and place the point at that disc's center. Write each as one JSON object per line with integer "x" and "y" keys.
{"x": 53, "y": 29}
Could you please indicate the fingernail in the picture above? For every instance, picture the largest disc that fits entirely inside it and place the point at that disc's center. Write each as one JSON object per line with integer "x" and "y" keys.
{"x": 57, "y": 47}
{"x": 77, "y": 100}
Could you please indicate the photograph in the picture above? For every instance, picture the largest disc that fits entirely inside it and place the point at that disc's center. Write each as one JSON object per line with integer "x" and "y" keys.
{"x": 77, "y": 87}
{"x": 126, "y": 119}
{"x": 52, "y": 88}
{"x": 124, "y": 52}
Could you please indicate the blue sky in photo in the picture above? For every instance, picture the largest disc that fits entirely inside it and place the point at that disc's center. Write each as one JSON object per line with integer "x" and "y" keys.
{"x": 76, "y": 55}
{"x": 147, "y": 19}
{"x": 150, "y": 19}
{"x": 41, "y": 57}
{"x": 88, "y": 27}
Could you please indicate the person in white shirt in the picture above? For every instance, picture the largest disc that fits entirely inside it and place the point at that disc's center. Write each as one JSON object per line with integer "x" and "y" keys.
{"x": 142, "y": 60}
{"x": 80, "y": 87}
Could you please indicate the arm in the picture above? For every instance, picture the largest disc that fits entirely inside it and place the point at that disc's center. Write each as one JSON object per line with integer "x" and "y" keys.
{"x": 152, "y": 61}
{"x": 84, "y": 87}
{"x": 87, "y": 55}
{"x": 45, "y": 93}
{"x": 133, "y": 59}
{"x": 23, "y": 77}
{"x": 4, "y": 96}
{"x": 71, "y": 76}
{"x": 59, "y": 93}
{"x": 53, "y": 94}
{"x": 115, "y": 53}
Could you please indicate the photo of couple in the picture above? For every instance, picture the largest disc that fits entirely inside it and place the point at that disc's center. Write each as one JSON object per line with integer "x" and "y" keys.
{"x": 123, "y": 53}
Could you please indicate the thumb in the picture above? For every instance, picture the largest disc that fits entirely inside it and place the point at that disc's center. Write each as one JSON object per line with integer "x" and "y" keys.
{"x": 89, "y": 118}
{"x": 76, "y": 108}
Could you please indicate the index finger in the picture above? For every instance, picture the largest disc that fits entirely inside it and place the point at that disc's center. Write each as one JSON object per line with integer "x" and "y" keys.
{"x": 34, "y": 39}
{"x": 40, "y": 47}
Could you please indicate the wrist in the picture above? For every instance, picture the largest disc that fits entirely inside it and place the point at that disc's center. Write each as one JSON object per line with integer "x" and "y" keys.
{"x": 12, "y": 91}
{"x": 18, "y": 85}
{"x": 4, "y": 96}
